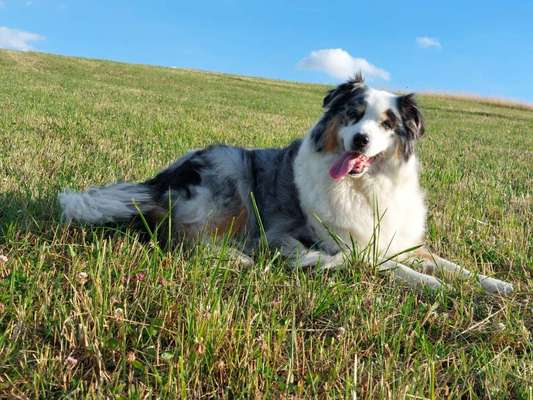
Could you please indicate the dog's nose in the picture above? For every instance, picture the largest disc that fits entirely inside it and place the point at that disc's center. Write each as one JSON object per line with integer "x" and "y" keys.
{"x": 360, "y": 140}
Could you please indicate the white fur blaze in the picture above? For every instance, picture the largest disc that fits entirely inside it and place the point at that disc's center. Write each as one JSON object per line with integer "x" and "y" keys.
{"x": 103, "y": 204}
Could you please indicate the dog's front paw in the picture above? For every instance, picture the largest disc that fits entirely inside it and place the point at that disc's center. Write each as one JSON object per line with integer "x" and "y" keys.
{"x": 493, "y": 285}
{"x": 238, "y": 257}
{"x": 330, "y": 262}
{"x": 244, "y": 260}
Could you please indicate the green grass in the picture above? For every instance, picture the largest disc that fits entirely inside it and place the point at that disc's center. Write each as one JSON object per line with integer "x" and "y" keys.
{"x": 138, "y": 322}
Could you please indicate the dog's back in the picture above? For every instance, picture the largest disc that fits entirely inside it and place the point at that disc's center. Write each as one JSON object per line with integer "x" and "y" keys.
{"x": 214, "y": 190}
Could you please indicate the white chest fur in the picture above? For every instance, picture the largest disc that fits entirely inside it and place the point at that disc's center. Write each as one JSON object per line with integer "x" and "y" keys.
{"x": 385, "y": 207}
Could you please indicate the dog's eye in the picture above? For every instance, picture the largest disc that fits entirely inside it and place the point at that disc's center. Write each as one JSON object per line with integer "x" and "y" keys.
{"x": 390, "y": 121}
{"x": 354, "y": 114}
{"x": 387, "y": 124}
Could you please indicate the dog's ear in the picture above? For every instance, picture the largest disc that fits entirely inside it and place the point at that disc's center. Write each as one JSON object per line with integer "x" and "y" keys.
{"x": 412, "y": 118}
{"x": 344, "y": 88}
{"x": 413, "y": 124}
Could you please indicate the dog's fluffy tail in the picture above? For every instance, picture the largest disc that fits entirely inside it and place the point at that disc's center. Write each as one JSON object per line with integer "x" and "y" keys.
{"x": 111, "y": 203}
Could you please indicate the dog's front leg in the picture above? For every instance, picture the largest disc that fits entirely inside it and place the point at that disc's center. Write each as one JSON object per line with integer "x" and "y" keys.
{"x": 304, "y": 257}
{"x": 400, "y": 272}
{"x": 299, "y": 255}
{"x": 431, "y": 262}
{"x": 409, "y": 276}
{"x": 232, "y": 253}
{"x": 331, "y": 262}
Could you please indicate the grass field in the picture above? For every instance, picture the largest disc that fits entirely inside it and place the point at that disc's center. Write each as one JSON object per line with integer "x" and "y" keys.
{"x": 95, "y": 312}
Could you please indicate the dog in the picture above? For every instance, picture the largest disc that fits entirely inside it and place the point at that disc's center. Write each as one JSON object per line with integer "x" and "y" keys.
{"x": 352, "y": 180}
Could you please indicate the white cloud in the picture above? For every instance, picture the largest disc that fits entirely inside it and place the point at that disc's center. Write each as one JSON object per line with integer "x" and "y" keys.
{"x": 17, "y": 40}
{"x": 339, "y": 64}
{"x": 427, "y": 42}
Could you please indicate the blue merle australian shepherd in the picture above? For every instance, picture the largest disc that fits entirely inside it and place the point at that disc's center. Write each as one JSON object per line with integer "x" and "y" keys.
{"x": 355, "y": 170}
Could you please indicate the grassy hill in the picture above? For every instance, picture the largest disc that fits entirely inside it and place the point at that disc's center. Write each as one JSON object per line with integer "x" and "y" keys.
{"x": 95, "y": 312}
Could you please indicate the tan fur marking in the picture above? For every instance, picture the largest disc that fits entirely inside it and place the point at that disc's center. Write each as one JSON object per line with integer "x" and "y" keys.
{"x": 331, "y": 141}
{"x": 423, "y": 253}
{"x": 233, "y": 224}
{"x": 428, "y": 261}
{"x": 398, "y": 152}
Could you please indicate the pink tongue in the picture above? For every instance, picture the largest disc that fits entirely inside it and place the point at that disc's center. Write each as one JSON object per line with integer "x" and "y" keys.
{"x": 346, "y": 163}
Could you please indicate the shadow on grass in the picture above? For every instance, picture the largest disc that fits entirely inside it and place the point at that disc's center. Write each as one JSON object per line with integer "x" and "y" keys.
{"x": 25, "y": 210}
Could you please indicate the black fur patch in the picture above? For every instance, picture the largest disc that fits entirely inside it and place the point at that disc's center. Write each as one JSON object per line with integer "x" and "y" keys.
{"x": 412, "y": 127}
{"x": 345, "y": 88}
{"x": 181, "y": 178}
{"x": 345, "y": 102}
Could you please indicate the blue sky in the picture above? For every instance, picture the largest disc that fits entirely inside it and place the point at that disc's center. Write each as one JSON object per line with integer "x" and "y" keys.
{"x": 473, "y": 47}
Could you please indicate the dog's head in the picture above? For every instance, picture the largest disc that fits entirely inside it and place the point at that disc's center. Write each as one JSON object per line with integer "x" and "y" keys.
{"x": 364, "y": 126}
